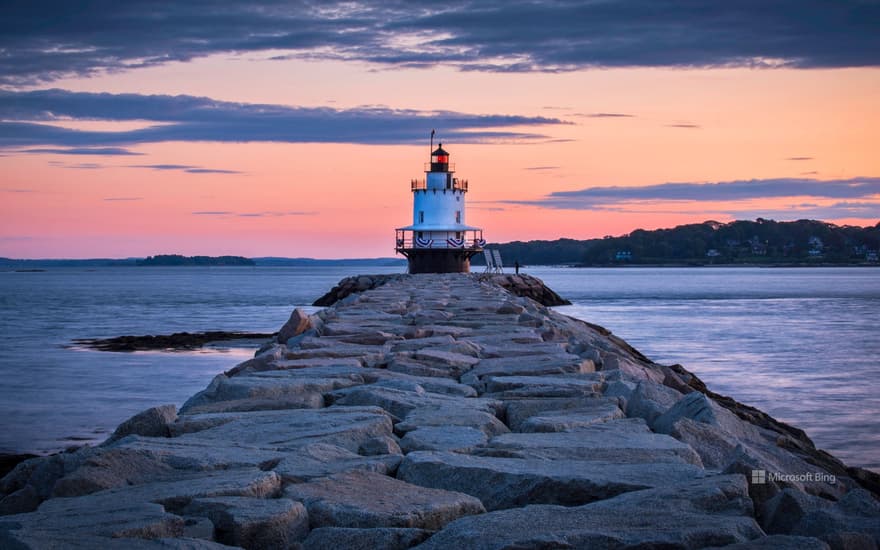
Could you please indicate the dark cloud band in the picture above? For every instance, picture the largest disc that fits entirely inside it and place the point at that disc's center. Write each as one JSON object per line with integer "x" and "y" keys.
{"x": 85, "y": 151}
{"x": 624, "y": 198}
{"x": 264, "y": 214}
{"x": 854, "y": 198}
{"x": 43, "y": 40}
{"x": 26, "y": 121}
{"x": 185, "y": 168}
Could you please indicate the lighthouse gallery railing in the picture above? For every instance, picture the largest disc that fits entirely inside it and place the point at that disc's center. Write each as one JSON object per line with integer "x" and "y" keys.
{"x": 440, "y": 243}
{"x": 421, "y": 185}
{"x": 406, "y": 240}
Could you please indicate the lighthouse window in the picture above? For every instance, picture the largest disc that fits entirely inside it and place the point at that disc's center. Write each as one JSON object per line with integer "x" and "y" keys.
{"x": 458, "y": 216}
{"x": 421, "y": 216}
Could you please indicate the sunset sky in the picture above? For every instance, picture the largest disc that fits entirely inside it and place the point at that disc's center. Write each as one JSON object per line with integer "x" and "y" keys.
{"x": 292, "y": 129}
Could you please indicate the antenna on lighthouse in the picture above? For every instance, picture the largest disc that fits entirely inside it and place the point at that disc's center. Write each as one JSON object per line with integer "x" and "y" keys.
{"x": 432, "y": 140}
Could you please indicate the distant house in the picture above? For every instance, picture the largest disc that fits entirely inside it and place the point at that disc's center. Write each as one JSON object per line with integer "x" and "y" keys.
{"x": 816, "y": 247}
{"x": 871, "y": 256}
{"x": 712, "y": 253}
{"x": 757, "y": 247}
{"x": 623, "y": 256}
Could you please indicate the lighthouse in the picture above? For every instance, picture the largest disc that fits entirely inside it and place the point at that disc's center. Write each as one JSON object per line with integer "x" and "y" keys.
{"x": 439, "y": 239}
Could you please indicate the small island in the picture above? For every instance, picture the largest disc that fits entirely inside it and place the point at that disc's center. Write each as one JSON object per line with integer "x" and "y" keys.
{"x": 179, "y": 341}
{"x": 178, "y": 260}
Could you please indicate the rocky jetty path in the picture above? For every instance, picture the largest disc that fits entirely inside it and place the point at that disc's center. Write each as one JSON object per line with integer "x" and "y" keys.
{"x": 444, "y": 411}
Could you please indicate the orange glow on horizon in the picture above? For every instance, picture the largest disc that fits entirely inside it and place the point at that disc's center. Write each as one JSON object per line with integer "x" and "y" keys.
{"x": 342, "y": 200}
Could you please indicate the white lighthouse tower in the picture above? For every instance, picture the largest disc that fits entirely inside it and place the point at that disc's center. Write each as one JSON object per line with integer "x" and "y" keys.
{"x": 439, "y": 240}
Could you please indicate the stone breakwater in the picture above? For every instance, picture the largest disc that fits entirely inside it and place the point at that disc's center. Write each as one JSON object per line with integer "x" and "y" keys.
{"x": 520, "y": 285}
{"x": 444, "y": 411}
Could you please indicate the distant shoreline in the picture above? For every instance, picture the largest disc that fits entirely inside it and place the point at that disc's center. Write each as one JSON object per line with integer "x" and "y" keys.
{"x": 11, "y": 264}
{"x": 524, "y": 267}
{"x": 475, "y": 268}
{"x": 774, "y": 265}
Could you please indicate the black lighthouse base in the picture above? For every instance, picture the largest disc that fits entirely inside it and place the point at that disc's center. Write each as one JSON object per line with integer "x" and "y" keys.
{"x": 426, "y": 260}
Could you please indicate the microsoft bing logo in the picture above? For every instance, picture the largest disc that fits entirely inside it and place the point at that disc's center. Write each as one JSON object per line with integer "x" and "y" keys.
{"x": 762, "y": 477}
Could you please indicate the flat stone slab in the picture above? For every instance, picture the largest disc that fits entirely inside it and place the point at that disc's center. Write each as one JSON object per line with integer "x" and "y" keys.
{"x": 529, "y": 365}
{"x": 376, "y": 338}
{"x": 354, "y": 326}
{"x": 407, "y": 365}
{"x": 350, "y": 372}
{"x": 512, "y": 335}
{"x": 520, "y": 410}
{"x": 623, "y": 441}
{"x": 778, "y": 542}
{"x": 297, "y": 464}
{"x": 456, "y": 363}
{"x": 321, "y": 460}
{"x": 428, "y": 383}
{"x": 106, "y": 468}
{"x": 705, "y": 512}
{"x": 453, "y": 414}
{"x": 401, "y": 402}
{"x": 463, "y": 347}
{"x": 138, "y": 511}
{"x": 591, "y": 382}
{"x": 366, "y": 500}
{"x": 21, "y": 540}
{"x": 285, "y": 364}
{"x": 174, "y": 494}
{"x": 339, "y": 349}
{"x": 420, "y": 343}
{"x": 570, "y": 420}
{"x": 347, "y": 427}
{"x": 422, "y": 331}
{"x": 253, "y": 522}
{"x": 152, "y": 422}
{"x": 71, "y": 518}
{"x": 349, "y": 538}
{"x": 512, "y": 349}
{"x": 248, "y": 393}
{"x": 443, "y": 438}
{"x": 511, "y": 482}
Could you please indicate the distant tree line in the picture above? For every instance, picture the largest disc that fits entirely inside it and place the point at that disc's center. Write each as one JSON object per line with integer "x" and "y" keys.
{"x": 754, "y": 242}
{"x": 178, "y": 260}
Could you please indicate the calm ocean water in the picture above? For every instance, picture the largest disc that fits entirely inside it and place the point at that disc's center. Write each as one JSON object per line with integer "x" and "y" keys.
{"x": 801, "y": 344}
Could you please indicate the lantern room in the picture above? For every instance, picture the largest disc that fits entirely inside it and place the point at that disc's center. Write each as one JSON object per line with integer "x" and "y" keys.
{"x": 440, "y": 160}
